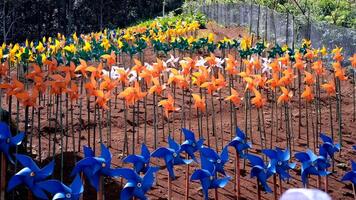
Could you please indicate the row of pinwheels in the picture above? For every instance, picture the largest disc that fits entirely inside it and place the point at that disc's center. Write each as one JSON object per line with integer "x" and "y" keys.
{"x": 141, "y": 178}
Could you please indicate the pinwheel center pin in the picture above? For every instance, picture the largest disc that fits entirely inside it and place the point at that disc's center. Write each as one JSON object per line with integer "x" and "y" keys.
{"x": 32, "y": 174}
{"x": 193, "y": 144}
{"x": 211, "y": 178}
{"x": 103, "y": 165}
{"x": 174, "y": 154}
{"x": 218, "y": 161}
{"x": 279, "y": 163}
{"x": 139, "y": 185}
{"x": 8, "y": 140}
{"x": 68, "y": 196}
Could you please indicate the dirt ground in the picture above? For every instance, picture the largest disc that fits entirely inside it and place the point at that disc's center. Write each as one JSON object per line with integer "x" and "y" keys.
{"x": 337, "y": 189}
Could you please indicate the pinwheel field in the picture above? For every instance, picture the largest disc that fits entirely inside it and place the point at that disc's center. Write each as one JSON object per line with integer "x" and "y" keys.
{"x": 176, "y": 107}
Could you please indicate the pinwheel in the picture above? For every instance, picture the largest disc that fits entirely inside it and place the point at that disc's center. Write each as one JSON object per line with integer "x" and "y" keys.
{"x": 140, "y": 162}
{"x": 261, "y": 172}
{"x": 218, "y": 160}
{"x": 329, "y": 87}
{"x": 31, "y": 175}
{"x": 7, "y": 141}
{"x": 191, "y": 145}
{"x": 312, "y": 165}
{"x": 208, "y": 178}
{"x": 279, "y": 164}
{"x": 240, "y": 144}
{"x": 62, "y": 191}
{"x": 328, "y": 148}
{"x": 94, "y": 168}
{"x": 308, "y": 96}
{"x": 351, "y": 176}
{"x": 171, "y": 156}
{"x": 136, "y": 186}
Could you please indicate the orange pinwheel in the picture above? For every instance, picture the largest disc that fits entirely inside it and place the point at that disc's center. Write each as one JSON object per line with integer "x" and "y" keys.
{"x": 73, "y": 92}
{"x": 201, "y": 76}
{"x": 231, "y": 65}
{"x": 110, "y": 59}
{"x": 274, "y": 81}
{"x": 210, "y": 86}
{"x": 84, "y": 68}
{"x": 158, "y": 68}
{"x": 288, "y": 77}
{"x": 318, "y": 67}
{"x": 40, "y": 85}
{"x": 3, "y": 69}
{"x": 308, "y": 79}
{"x": 286, "y": 96}
{"x": 107, "y": 84}
{"x": 258, "y": 100}
{"x": 260, "y": 80}
{"x": 337, "y": 54}
{"x": 220, "y": 81}
{"x": 329, "y": 87}
{"x": 157, "y": 87}
{"x": 187, "y": 65}
{"x": 199, "y": 103}
{"x": 299, "y": 64}
{"x": 168, "y": 105}
{"x": 59, "y": 83}
{"x": 52, "y": 65}
{"x": 90, "y": 86}
{"x": 339, "y": 71}
{"x": 275, "y": 66}
{"x": 70, "y": 69}
{"x": 257, "y": 63}
{"x": 146, "y": 75}
{"x": 284, "y": 60}
{"x": 234, "y": 97}
{"x": 14, "y": 87}
{"x": 309, "y": 55}
{"x": 351, "y": 59}
{"x": 37, "y": 72}
{"x": 174, "y": 77}
{"x": 138, "y": 67}
{"x": 28, "y": 99}
{"x": 308, "y": 94}
{"x": 123, "y": 75}
{"x": 102, "y": 98}
{"x": 129, "y": 95}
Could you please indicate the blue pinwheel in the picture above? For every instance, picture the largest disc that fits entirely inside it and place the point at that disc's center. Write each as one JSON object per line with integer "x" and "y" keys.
{"x": 328, "y": 148}
{"x": 136, "y": 185}
{"x": 208, "y": 177}
{"x": 190, "y": 145}
{"x": 30, "y": 176}
{"x": 351, "y": 175}
{"x": 240, "y": 143}
{"x": 260, "y": 171}
{"x": 218, "y": 160}
{"x": 7, "y": 141}
{"x": 171, "y": 156}
{"x": 62, "y": 191}
{"x": 312, "y": 165}
{"x": 95, "y": 167}
{"x": 140, "y": 162}
{"x": 279, "y": 162}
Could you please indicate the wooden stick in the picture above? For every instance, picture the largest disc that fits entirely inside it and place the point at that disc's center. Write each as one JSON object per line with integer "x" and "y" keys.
{"x": 275, "y": 187}
{"x": 3, "y": 176}
{"x": 237, "y": 174}
{"x": 258, "y": 190}
{"x": 169, "y": 187}
{"x": 280, "y": 186}
{"x": 326, "y": 181}
{"x": 187, "y": 181}
{"x": 100, "y": 195}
